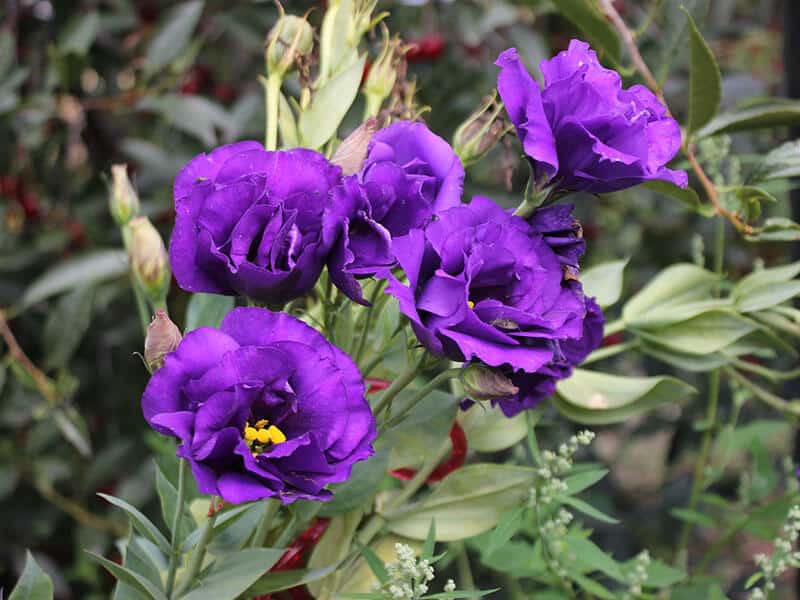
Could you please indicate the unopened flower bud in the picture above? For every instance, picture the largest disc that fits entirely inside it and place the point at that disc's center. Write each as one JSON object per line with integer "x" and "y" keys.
{"x": 289, "y": 39}
{"x": 483, "y": 383}
{"x": 352, "y": 151}
{"x": 480, "y": 132}
{"x": 383, "y": 73}
{"x": 163, "y": 336}
{"x": 123, "y": 202}
{"x": 149, "y": 259}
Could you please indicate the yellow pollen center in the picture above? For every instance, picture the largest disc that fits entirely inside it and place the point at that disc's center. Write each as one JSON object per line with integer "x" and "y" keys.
{"x": 261, "y": 435}
{"x": 470, "y": 303}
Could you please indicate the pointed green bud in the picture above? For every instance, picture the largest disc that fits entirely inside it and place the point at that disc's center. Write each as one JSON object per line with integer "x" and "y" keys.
{"x": 476, "y": 136}
{"x": 352, "y": 151}
{"x": 123, "y": 203}
{"x": 383, "y": 74}
{"x": 483, "y": 383}
{"x": 149, "y": 259}
{"x": 289, "y": 39}
{"x": 163, "y": 336}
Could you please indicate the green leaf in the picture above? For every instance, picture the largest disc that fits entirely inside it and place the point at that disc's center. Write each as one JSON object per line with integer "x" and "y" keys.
{"x": 768, "y": 296}
{"x": 587, "y": 509}
{"x": 249, "y": 513}
{"x": 692, "y": 516}
{"x": 686, "y": 195}
{"x": 430, "y": 542}
{"x": 489, "y": 430}
{"x": 661, "y": 575}
{"x": 586, "y": 17}
{"x": 287, "y": 125}
{"x": 358, "y": 490}
{"x": 764, "y": 278}
{"x": 776, "y": 229}
{"x": 79, "y": 34}
{"x": 233, "y": 574}
{"x": 332, "y": 548}
{"x": 168, "y": 497}
{"x": 207, "y": 310}
{"x": 320, "y": 121}
{"x": 140, "y": 522}
{"x": 698, "y": 587}
{"x": 583, "y": 480}
{"x": 704, "y": 334}
{"x": 507, "y": 526}
{"x": 772, "y": 113}
{"x": 8, "y": 50}
{"x": 598, "y": 398}
{"x": 705, "y": 81}
{"x": 133, "y": 579}
{"x": 695, "y": 363}
{"x": 675, "y": 285}
{"x": 172, "y": 36}
{"x": 467, "y": 502}
{"x": 455, "y": 594}
{"x": 283, "y": 580}
{"x": 66, "y": 326}
{"x": 33, "y": 584}
{"x": 588, "y": 553}
{"x": 196, "y": 116}
{"x": 374, "y": 563}
{"x": 72, "y": 426}
{"x": 76, "y": 272}
{"x": 592, "y": 586}
{"x": 604, "y": 282}
{"x": 781, "y": 163}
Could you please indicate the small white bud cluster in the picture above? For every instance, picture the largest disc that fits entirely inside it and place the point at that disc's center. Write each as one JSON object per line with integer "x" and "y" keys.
{"x": 408, "y": 577}
{"x": 558, "y": 463}
{"x": 637, "y": 577}
{"x": 783, "y": 556}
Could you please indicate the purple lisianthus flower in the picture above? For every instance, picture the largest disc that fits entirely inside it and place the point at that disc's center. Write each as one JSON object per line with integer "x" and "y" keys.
{"x": 253, "y": 222}
{"x": 485, "y": 286}
{"x": 409, "y": 174}
{"x": 583, "y": 131}
{"x": 264, "y": 406}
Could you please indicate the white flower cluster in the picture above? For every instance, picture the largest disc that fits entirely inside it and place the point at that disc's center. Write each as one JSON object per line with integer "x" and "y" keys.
{"x": 783, "y": 556}
{"x": 554, "y": 464}
{"x": 637, "y": 576}
{"x": 408, "y": 577}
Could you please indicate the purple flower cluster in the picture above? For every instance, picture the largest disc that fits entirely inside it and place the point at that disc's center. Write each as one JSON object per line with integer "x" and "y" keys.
{"x": 265, "y": 406}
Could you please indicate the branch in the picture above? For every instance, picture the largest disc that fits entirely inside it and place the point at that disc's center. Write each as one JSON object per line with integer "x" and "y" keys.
{"x": 43, "y": 383}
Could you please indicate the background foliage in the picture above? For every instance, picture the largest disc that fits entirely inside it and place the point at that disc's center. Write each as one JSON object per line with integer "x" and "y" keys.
{"x": 87, "y": 84}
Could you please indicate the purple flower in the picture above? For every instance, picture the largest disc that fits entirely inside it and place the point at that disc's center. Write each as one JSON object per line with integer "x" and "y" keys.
{"x": 583, "y": 131}
{"x": 409, "y": 174}
{"x": 264, "y": 407}
{"x": 253, "y": 222}
{"x": 486, "y": 286}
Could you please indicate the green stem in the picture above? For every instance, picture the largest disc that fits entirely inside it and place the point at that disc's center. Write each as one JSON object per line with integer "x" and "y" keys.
{"x": 199, "y": 554}
{"x": 272, "y": 91}
{"x": 786, "y": 407}
{"x": 398, "y": 385}
{"x": 260, "y": 536}
{"x": 531, "y": 418}
{"x": 613, "y": 327}
{"x": 427, "y": 389}
{"x": 372, "y": 106}
{"x": 609, "y": 351}
{"x": 362, "y": 342}
{"x": 698, "y": 482}
{"x": 465, "y": 579}
{"x": 176, "y": 523}
{"x": 141, "y": 305}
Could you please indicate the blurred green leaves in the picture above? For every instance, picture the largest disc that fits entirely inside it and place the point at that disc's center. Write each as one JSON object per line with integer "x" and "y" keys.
{"x": 172, "y": 35}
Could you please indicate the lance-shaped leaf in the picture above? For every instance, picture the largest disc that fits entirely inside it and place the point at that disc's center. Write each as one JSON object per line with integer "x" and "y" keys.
{"x": 774, "y": 112}
{"x": 709, "y": 331}
{"x": 767, "y": 287}
{"x": 207, "y": 310}
{"x": 604, "y": 282}
{"x": 234, "y": 573}
{"x": 705, "y": 81}
{"x": 172, "y": 36}
{"x": 33, "y": 584}
{"x": 586, "y": 17}
{"x": 685, "y": 195}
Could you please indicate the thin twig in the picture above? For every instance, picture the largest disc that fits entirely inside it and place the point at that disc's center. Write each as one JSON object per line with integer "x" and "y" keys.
{"x": 43, "y": 383}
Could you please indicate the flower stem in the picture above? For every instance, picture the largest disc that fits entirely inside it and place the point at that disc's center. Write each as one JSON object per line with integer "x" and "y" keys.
{"x": 272, "y": 90}
{"x": 398, "y": 385}
{"x": 609, "y": 351}
{"x": 260, "y": 536}
{"x": 362, "y": 341}
{"x": 427, "y": 389}
{"x": 698, "y": 483}
{"x": 613, "y": 327}
{"x": 199, "y": 554}
{"x": 176, "y": 523}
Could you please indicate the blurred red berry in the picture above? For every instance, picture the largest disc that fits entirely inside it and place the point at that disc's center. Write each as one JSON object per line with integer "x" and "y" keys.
{"x": 225, "y": 93}
{"x": 428, "y": 47}
{"x": 376, "y": 385}
{"x": 613, "y": 339}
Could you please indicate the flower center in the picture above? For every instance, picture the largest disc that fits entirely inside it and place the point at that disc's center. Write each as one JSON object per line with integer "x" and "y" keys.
{"x": 260, "y": 436}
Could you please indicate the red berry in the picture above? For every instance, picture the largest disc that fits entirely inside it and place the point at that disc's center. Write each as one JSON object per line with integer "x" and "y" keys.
{"x": 428, "y": 47}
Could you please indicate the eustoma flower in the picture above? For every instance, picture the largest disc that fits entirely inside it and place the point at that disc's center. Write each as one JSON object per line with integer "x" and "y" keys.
{"x": 253, "y": 222}
{"x": 264, "y": 407}
{"x": 409, "y": 174}
{"x": 487, "y": 286}
{"x": 583, "y": 131}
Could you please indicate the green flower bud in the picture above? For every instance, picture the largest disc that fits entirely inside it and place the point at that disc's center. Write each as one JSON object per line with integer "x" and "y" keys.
{"x": 149, "y": 259}
{"x": 352, "y": 151}
{"x": 476, "y": 136}
{"x": 123, "y": 203}
{"x": 383, "y": 73}
{"x": 163, "y": 336}
{"x": 289, "y": 39}
{"x": 483, "y": 383}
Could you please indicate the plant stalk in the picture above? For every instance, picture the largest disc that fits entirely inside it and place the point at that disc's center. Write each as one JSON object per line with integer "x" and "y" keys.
{"x": 176, "y": 523}
{"x": 260, "y": 536}
{"x": 199, "y": 554}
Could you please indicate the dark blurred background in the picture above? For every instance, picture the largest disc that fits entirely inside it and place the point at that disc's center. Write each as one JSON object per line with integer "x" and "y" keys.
{"x": 81, "y": 88}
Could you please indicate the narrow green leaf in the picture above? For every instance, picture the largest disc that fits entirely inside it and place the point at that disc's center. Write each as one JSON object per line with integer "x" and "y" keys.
{"x": 661, "y": 575}
{"x": 587, "y": 509}
{"x": 374, "y": 563}
{"x": 677, "y": 284}
{"x": 685, "y": 195}
{"x": 172, "y": 36}
{"x": 140, "y": 522}
{"x": 580, "y": 481}
{"x": 430, "y": 542}
{"x": 144, "y": 585}
{"x": 592, "y": 586}
{"x": 704, "y": 334}
{"x": 459, "y": 594}
{"x": 79, "y": 34}
{"x": 586, "y": 17}
{"x": 33, "y": 584}
{"x": 283, "y": 580}
{"x": 692, "y": 516}
{"x": 207, "y": 310}
{"x": 508, "y": 525}
{"x": 588, "y": 553}
{"x": 775, "y": 112}
{"x": 233, "y": 574}
{"x": 321, "y": 120}
{"x": 168, "y": 497}
{"x": 705, "y": 80}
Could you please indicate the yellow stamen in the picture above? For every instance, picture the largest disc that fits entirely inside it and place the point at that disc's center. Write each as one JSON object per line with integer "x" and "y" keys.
{"x": 261, "y": 423}
{"x": 277, "y": 436}
{"x": 262, "y": 435}
{"x": 250, "y": 434}
{"x": 470, "y": 303}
